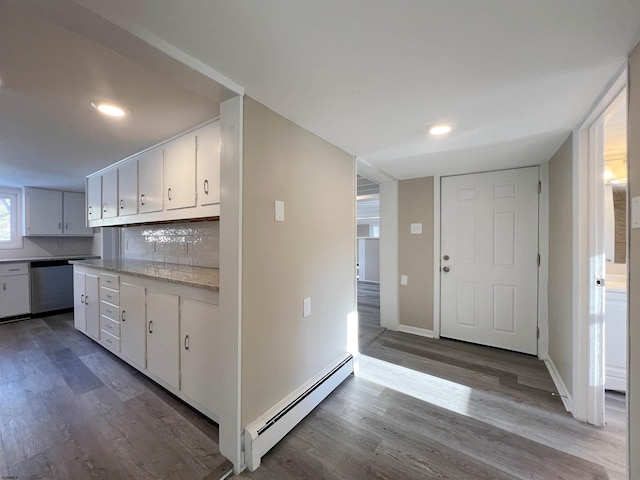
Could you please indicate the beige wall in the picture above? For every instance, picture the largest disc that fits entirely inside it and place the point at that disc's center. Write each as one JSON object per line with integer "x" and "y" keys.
{"x": 415, "y": 257}
{"x": 311, "y": 253}
{"x": 633, "y": 372}
{"x": 560, "y": 288}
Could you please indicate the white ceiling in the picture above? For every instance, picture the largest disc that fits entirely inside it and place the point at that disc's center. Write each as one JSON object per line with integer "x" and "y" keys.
{"x": 369, "y": 76}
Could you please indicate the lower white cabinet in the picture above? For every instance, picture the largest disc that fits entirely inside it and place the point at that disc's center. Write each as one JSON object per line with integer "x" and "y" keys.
{"x": 14, "y": 289}
{"x": 86, "y": 302}
{"x": 616, "y": 341}
{"x": 133, "y": 324}
{"x": 199, "y": 352}
{"x": 163, "y": 329}
{"x": 167, "y": 331}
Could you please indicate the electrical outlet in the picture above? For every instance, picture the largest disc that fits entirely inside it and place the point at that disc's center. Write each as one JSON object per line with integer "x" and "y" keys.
{"x": 416, "y": 229}
{"x": 306, "y": 307}
{"x": 404, "y": 279}
{"x": 279, "y": 211}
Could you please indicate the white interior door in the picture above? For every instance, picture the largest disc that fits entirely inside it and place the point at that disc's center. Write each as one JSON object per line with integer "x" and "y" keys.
{"x": 489, "y": 259}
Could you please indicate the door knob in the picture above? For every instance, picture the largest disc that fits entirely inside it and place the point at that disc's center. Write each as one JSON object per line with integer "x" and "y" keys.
{"x": 445, "y": 269}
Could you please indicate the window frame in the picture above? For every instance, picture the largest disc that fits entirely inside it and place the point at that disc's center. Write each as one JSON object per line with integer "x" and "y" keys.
{"x": 16, "y": 218}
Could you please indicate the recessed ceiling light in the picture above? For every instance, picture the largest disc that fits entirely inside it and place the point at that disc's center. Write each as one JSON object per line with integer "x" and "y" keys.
{"x": 110, "y": 109}
{"x": 440, "y": 129}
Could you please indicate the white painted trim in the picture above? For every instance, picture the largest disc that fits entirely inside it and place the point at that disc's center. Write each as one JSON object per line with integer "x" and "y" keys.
{"x": 389, "y": 279}
{"x": 422, "y": 332}
{"x": 257, "y": 443}
{"x": 365, "y": 169}
{"x": 436, "y": 256}
{"x": 562, "y": 388}
{"x": 543, "y": 271}
{"x": 231, "y": 158}
{"x": 588, "y": 331}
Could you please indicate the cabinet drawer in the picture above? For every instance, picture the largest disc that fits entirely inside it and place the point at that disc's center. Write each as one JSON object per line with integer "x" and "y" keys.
{"x": 110, "y": 281}
{"x": 109, "y": 325}
{"x": 109, "y": 341}
{"x": 7, "y": 269}
{"x": 110, "y": 296}
{"x": 110, "y": 311}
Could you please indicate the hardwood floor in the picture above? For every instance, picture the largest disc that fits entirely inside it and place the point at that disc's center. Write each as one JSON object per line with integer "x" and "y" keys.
{"x": 418, "y": 409}
{"x": 422, "y": 408}
{"x": 71, "y": 410}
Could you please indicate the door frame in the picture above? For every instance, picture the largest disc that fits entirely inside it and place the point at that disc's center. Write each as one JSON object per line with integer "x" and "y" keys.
{"x": 588, "y": 316}
{"x": 543, "y": 249}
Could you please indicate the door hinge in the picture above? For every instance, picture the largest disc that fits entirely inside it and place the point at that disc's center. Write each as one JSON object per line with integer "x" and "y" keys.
{"x": 538, "y": 259}
{"x": 539, "y": 186}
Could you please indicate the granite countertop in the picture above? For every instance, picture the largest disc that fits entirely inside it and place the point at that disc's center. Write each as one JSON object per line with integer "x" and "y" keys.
{"x": 201, "y": 277}
{"x": 45, "y": 259}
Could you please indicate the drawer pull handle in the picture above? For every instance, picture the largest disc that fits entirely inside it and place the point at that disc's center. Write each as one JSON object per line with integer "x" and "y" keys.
{"x": 86, "y": 299}
{"x": 90, "y": 210}
{"x": 121, "y": 204}
{"x": 186, "y": 342}
{"x": 59, "y": 225}
{"x": 110, "y": 311}
{"x": 142, "y": 199}
{"x": 110, "y": 326}
{"x": 150, "y": 326}
{"x": 169, "y": 194}
{"x": 122, "y": 316}
{"x": 104, "y": 207}
{"x": 206, "y": 187}
{"x": 82, "y": 298}
{"x": 14, "y": 269}
{"x": 66, "y": 226}
{"x": 4, "y": 286}
{"x": 109, "y": 340}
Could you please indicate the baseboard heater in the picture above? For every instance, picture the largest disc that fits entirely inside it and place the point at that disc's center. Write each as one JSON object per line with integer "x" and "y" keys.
{"x": 261, "y": 436}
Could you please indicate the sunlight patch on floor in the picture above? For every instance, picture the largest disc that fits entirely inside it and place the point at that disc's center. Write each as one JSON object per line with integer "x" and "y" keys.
{"x": 437, "y": 391}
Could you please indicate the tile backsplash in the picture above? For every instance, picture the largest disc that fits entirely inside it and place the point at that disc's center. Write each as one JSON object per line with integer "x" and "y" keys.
{"x": 188, "y": 243}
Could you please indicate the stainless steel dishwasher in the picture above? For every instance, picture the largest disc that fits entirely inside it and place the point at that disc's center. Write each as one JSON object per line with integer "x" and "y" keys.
{"x": 51, "y": 286}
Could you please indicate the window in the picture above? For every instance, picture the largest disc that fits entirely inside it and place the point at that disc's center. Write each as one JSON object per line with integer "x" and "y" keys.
{"x": 10, "y": 219}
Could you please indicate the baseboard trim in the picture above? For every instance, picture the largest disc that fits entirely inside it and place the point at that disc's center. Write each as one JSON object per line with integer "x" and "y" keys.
{"x": 423, "y": 332}
{"x": 562, "y": 388}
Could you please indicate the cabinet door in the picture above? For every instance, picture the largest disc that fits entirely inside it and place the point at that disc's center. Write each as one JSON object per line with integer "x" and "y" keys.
{"x": 128, "y": 188}
{"x": 79, "y": 308}
{"x": 132, "y": 324}
{"x": 208, "y": 164}
{"x": 163, "y": 332}
{"x": 94, "y": 197}
{"x": 92, "y": 305}
{"x": 73, "y": 214}
{"x": 110, "y": 193}
{"x": 200, "y": 366}
{"x": 180, "y": 172}
{"x": 14, "y": 295}
{"x": 44, "y": 212}
{"x": 150, "y": 181}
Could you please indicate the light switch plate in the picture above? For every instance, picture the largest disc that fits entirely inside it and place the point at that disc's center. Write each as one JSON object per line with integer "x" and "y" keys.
{"x": 404, "y": 279}
{"x": 306, "y": 307}
{"x": 635, "y": 212}
{"x": 279, "y": 210}
{"x": 416, "y": 229}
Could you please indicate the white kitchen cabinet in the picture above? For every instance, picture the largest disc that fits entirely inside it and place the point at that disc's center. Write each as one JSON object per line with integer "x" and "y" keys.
{"x": 150, "y": 181}
{"x": 14, "y": 289}
{"x": 180, "y": 172}
{"x": 94, "y": 197}
{"x": 43, "y": 212}
{"x": 163, "y": 354}
{"x": 616, "y": 340}
{"x": 110, "y": 193}
{"x": 86, "y": 303}
{"x": 73, "y": 219}
{"x": 208, "y": 164}
{"x": 199, "y": 363}
{"x": 128, "y": 188}
{"x": 133, "y": 324}
{"x": 54, "y": 213}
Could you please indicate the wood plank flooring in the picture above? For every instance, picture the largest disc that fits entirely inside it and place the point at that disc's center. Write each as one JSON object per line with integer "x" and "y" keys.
{"x": 71, "y": 410}
{"x": 422, "y": 408}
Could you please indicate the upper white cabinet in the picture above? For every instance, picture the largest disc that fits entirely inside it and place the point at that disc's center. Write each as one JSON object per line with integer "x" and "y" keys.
{"x": 128, "y": 188}
{"x": 177, "y": 180}
{"x": 94, "y": 197}
{"x": 54, "y": 213}
{"x": 110, "y": 193}
{"x": 74, "y": 222}
{"x": 208, "y": 164}
{"x": 150, "y": 181}
{"x": 180, "y": 172}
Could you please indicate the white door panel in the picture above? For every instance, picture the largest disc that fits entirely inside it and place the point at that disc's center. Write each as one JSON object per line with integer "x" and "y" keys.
{"x": 489, "y": 247}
